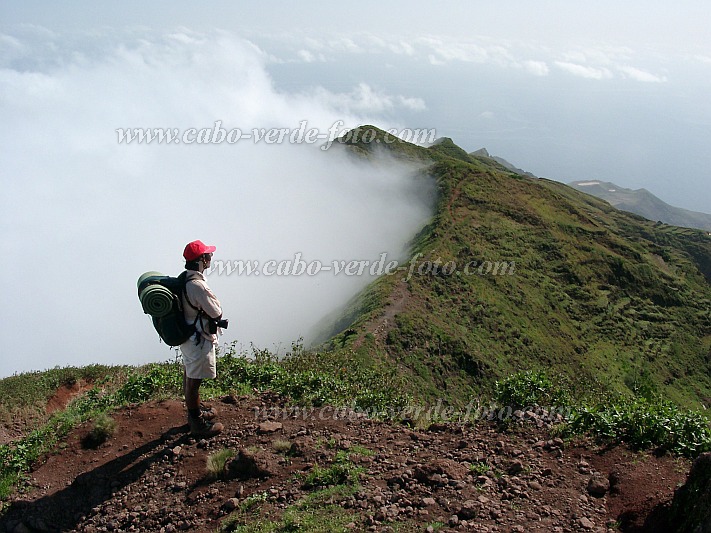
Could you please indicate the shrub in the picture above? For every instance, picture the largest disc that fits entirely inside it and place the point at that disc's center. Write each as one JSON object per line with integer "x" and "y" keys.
{"x": 149, "y": 382}
{"x": 646, "y": 423}
{"x": 104, "y": 427}
{"x": 529, "y": 388}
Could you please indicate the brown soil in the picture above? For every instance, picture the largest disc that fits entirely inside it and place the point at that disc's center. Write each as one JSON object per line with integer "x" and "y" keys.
{"x": 18, "y": 423}
{"x": 151, "y": 475}
{"x": 5, "y": 435}
{"x": 65, "y": 394}
{"x": 12, "y": 431}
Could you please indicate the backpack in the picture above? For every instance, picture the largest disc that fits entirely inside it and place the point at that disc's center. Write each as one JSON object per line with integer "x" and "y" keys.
{"x": 160, "y": 297}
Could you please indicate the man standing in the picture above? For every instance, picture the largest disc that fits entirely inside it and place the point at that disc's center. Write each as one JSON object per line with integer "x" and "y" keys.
{"x": 202, "y": 308}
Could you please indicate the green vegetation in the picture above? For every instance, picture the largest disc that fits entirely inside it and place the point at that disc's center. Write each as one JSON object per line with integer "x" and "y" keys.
{"x": 317, "y": 512}
{"x": 247, "y": 510}
{"x": 104, "y": 427}
{"x": 341, "y": 471}
{"x": 311, "y": 379}
{"x": 645, "y": 423}
{"x": 553, "y": 298}
{"x": 281, "y": 446}
{"x": 24, "y": 397}
{"x": 479, "y": 468}
{"x": 530, "y": 388}
{"x": 539, "y": 276}
{"x": 304, "y": 377}
{"x": 641, "y": 421}
{"x": 216, "y": 462}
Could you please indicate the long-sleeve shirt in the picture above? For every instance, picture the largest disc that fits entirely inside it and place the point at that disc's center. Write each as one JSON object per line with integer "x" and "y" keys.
{"x": 200, "y": 296}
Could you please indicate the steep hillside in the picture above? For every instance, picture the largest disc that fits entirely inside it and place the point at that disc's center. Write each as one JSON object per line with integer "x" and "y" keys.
{"x": 515, "y": 273}
{"x": 511, "y": 274}
{"x": 644, "y": 203}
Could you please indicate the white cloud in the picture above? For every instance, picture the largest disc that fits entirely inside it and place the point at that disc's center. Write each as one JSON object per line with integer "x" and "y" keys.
{"x": 364, "y": 99}
{"x": 576, "y": 56}
{"x": 414, "y": 104}
{"x": 344, "y": 44}
{"x": 603, "y": 55}
{"x": 599, "y": 64}
{"x": 641, "y": 75}
{"x": 434, "y": 60}
{"x": 90, "y": 215}
{"x": 593, "y": 62}
{"x": 537, "y": 68}
{"x": 445, "y": 51}
{"x": 594, "y": 73}
{"x": 10, "y": 47}
{"x": 309, "y": 57}
{"x": 402, "y": 47}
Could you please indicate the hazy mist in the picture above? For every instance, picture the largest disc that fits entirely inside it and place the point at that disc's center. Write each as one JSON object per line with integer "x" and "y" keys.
{"x": 607, "y": 91}
{"x": 83, "y": 216}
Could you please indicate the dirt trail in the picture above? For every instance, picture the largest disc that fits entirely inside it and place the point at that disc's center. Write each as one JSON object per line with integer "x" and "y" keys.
{"x": 151, "y": 476}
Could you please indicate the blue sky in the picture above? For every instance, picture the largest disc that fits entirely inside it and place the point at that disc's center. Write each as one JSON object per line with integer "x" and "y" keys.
{"x": 566, "y": 90}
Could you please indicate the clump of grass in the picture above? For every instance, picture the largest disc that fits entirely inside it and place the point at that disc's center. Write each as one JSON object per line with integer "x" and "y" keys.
{"x": 103, "y": 429}
{"x": 216, "y": 462}
{"x": 317, "y": 512}
{"x": 281, "y": 446}
{"x": 360, "y": 450}
{"x": 151, "y": 381}
{"x": 341, "y": 471}
{"x": 480, "y": 468}
{"x": 247, "y": 510}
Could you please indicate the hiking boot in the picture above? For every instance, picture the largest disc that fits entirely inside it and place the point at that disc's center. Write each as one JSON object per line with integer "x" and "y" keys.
{"x": 201, "y": 427}
{"x": 208, "y": 412}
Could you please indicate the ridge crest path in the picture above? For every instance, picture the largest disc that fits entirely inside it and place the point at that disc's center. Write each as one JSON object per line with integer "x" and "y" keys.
{"x": 151, "y": 476}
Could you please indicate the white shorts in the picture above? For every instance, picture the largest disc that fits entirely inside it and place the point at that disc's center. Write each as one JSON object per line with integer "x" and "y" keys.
{"x": 199, "y": 360}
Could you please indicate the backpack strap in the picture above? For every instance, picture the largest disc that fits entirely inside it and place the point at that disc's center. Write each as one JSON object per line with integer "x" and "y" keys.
{"x": 185, "y": 293}
{"x": 200, "y": 312}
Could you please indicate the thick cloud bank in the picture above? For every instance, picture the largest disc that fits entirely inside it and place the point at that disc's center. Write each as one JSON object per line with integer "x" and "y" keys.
{"x": 83, "y": 215}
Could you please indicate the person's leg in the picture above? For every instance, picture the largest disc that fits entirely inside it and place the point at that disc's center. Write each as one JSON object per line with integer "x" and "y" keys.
{"x": 198, "y": 363}
{"x": 192, "y": 395}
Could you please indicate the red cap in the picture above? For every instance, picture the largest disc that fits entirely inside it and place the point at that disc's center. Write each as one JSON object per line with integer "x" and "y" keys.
{"x": 195, "y": 249}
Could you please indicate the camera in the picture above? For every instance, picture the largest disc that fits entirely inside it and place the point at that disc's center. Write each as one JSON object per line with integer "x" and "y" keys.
{"x": 215, "y": 323}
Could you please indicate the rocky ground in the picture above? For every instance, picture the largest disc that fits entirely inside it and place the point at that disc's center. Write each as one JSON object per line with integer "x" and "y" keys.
{"x": 152, "y": 476}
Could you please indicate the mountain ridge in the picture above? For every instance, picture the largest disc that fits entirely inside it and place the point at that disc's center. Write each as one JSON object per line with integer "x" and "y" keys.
{"x": 483, "y": 152}
{"x": 639, "y": 201}
{"x": 601, "y": 295}
{"x": 614, "y": 300}
{"x": 644, "y": 203}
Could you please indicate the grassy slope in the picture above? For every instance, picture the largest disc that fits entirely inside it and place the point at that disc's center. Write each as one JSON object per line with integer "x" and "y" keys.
{"x": 607, "y": 298}
{"x": 602, "y": 296}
